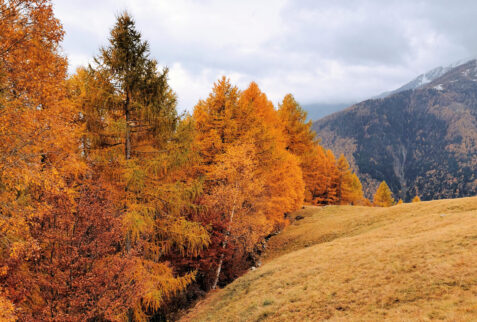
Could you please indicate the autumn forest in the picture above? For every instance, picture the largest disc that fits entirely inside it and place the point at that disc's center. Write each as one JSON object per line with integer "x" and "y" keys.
{"x": 114, "y": 206}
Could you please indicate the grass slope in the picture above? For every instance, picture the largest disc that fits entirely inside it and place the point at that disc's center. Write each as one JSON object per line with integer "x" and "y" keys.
{"x": 411, "y": 262}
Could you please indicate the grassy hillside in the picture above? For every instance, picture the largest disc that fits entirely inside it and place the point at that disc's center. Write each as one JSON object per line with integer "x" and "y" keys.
{"x": 408, "y": 262}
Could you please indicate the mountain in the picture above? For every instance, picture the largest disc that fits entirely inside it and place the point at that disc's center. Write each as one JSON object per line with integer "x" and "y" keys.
{"x": 425, "y": 78}
{"x": 420, "y": 141}
{"x": 410, "y": 262}
{"x": 319, "y": 110}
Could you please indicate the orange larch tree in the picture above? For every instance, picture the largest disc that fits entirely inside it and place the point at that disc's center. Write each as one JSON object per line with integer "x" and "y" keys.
{"x": 300, "y": 138}
{"x": 327, "y": 181}
{"x": 37, "y": 142}
{"x": 139, "y": 145}
{"x": 231, "y": 118}
{"x": 279, "y": 168}
{"x": 349, "y": 188}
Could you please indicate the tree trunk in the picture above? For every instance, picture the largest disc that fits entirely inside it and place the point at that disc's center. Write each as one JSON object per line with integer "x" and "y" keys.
{"x": 217, "y": 273}
{"x": 226, "y": 239}
{"x": 127, "y": 144}
{"x": 127, "y": 153}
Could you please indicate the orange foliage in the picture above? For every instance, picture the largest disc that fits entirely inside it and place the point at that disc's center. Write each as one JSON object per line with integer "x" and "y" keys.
{"x": 108, "y": 199}
{"x": 37, "y": 142}
{"x": 327, "y": 181}
{"x": 141, "y": 148}
{"x": 233, "y": 125}
{"x": 350, "y": 190}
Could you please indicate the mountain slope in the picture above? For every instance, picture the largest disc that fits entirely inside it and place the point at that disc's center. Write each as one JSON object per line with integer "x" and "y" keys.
{"x": 407, "y": 262}
{"x": 425, "y": 78}
{"x": 421, "y": 141}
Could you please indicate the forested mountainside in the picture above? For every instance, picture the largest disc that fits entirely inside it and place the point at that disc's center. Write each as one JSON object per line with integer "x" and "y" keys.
{"x": 421, "y": 141}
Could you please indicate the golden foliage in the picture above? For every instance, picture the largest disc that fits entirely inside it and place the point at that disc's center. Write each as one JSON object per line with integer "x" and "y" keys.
{"x": 7, "y": 310}
{"x": 327, "y": 181}
{"x": 383, "y": 196}
{"x": 416, "y": 199}
{"x": 64, "y": 240}
{"x": 228, "y": 118}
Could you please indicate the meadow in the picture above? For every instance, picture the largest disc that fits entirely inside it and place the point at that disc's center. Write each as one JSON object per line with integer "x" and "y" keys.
{"x": 411, "y": 262}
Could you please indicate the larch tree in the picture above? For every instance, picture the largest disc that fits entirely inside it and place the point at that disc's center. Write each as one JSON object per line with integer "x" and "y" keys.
{"x": 416, "y": 199}
{"x": 136, "y": 142}
{"x": 300, "y": 138}
{"x": 234, "y": 194}
{"x": 146, "y": 103}
{"x": 321, "y": 176}
{"x": 279, "y": 169}
{"x": 327, "y": 181}
{"x": 212, "y": 119}
{"x": 229, "y": 118}
{"x": 37, "y": 146}
{"x": 349, "y": 188}
{"x": 383, "y": 196}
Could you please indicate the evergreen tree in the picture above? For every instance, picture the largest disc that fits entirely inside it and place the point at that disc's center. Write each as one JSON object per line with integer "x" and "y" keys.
{"x": 140, "y": 94}
{"x": 383, "y": 196}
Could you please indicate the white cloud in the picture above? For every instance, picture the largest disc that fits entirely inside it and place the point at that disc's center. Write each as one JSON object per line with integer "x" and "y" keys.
{"x": 320, "y": 51}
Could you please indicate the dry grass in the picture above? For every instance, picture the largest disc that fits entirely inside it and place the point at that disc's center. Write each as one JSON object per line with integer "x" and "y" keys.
{"x": 412, "y": 262}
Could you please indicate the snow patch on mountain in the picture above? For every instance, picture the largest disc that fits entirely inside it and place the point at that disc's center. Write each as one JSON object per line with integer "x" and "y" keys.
{"x": 426, "y": 78}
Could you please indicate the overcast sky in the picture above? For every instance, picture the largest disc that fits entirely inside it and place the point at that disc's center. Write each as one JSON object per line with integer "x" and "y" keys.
{"x": 320, "y": 51}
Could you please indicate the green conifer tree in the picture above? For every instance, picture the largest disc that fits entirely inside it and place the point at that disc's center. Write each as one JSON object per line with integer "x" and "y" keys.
{"x": 141, "y": 94}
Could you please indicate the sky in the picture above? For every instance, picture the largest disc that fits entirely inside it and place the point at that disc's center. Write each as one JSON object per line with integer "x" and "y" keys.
{"x": 325, "y": 52}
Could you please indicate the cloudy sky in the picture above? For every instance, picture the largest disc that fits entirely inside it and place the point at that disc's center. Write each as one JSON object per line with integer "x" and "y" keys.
{"x": 320, "y": 51}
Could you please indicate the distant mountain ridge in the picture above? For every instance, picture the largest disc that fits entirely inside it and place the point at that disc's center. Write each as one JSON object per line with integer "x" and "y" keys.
{"x": 421, "y": 138}
{"x": 425, "y": 78}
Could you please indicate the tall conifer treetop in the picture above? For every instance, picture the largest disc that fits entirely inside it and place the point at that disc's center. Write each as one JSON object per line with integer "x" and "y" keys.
{"x": 145, "y": 97}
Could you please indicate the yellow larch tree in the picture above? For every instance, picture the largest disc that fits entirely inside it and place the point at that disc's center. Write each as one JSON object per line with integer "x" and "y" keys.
{"x": 349, "y": 188}
{"x": 416, "y": 199}
{"x": 383, "y": 196}
{"x": 234, "y": 192}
